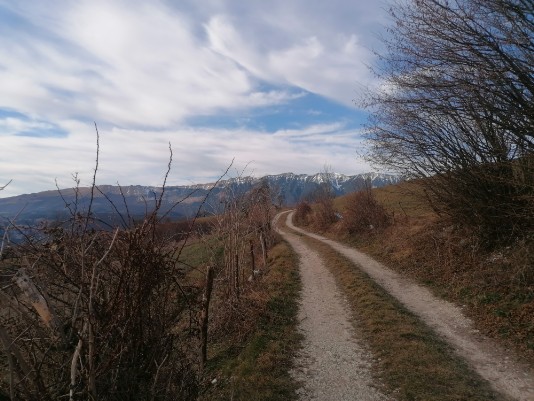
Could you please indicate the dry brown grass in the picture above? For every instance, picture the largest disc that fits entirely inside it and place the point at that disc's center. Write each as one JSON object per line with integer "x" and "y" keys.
{"x": 404, "y": 199}
{"x": 496, "y": 288}
{"x": 411, "y": 361}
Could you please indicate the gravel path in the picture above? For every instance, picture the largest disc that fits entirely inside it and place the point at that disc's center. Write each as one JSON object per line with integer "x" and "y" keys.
{"x": 333, "y": 364}
{"x": 490, "y": 361}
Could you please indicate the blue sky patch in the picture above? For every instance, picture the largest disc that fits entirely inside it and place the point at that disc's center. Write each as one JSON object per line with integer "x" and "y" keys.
{"x": 52, "y": 132}
{"x": 303, "y": 111}
{"x": 17, "y": 124}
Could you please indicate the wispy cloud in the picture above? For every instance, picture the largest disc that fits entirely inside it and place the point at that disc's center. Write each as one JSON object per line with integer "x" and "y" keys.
{"x": 143, "y": 70}
{"x": 147, "y": 63}
{"x": 138, "y": 156}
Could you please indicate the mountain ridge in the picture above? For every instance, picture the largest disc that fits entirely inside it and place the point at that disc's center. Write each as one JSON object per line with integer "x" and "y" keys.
{"x": 287, "y": 188}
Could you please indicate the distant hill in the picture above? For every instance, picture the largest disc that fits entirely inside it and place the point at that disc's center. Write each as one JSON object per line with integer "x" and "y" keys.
{"x": 135, "y": 200}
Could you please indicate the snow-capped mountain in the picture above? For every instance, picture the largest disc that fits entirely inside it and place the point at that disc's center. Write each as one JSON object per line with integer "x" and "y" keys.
{"x": 286, "y": 189}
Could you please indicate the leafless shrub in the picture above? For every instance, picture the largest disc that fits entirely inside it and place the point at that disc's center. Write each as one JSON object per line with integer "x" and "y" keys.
{"x": 364, "y": 213}
{"x": 241, "y": 238}
{"x": 95, "y": 314}
{"x": 245, "y": 217}
{"x": 303, "y": 213}
{"x": 457, "y": 104}
{"x": 92, "y": 313}
{"x": 324, "y": 213}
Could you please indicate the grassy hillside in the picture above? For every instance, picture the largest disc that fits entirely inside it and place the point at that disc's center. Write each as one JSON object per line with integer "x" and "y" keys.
{"x": 495, "y": 288}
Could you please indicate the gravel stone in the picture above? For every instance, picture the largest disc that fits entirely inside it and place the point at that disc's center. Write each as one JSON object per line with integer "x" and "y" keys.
{"x": 334, "y": 365}
{"x": 495, "y": 364}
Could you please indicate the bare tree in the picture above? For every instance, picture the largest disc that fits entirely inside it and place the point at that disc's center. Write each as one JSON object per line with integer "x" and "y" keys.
{"x": 98, "y": 314}
{"x": 457, "y": 104}
{"x": 324, "y": 198}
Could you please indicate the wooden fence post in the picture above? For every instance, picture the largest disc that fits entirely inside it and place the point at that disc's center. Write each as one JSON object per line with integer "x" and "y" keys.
{"x": 206, "y": 297}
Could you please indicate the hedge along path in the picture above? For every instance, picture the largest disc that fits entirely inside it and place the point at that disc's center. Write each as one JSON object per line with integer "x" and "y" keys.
{"x": 490, "y": 361}
{"x": 333, "y": 365}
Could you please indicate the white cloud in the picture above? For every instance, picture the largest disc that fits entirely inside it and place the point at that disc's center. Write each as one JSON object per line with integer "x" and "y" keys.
{"x": 138, "y": 66}
{"x": 140, "y": 157}
{"x": 147, "y": 63}
{"x": 148, "y": 67}
{"x": 13, "y": 126}
{"x": 334, "y": 72}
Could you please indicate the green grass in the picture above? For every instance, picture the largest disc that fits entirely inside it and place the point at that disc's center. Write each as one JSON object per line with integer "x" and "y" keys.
{"x": 257, "y": 369}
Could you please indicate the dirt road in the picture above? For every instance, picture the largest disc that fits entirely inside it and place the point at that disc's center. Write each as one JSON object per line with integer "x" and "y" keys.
{"x": 490, "y": 361}
{"x": 334, "y": 364}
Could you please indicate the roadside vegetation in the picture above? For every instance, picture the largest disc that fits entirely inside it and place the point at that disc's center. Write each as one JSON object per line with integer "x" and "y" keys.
{"x": 494, "y": 287}
{"x": 256, "y": 366}
{"x": 151, "y": 309}
{"x": 410, "y": 360}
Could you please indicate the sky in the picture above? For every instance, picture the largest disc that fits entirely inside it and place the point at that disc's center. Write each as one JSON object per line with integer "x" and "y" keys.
{"x": 268, "y": 84}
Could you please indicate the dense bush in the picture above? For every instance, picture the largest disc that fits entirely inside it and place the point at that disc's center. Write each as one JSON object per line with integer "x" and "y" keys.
{"x": 364, "y": 213}
{"x": 302, "y": 213}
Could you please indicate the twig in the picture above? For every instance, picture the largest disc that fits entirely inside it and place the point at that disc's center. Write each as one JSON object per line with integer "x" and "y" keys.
{"x": 74, "y": 364}
{"x": 2, "y": 187}
{"x": 154, "y": 384}
{"x": 93, "y": 185}
{"x": 6, "y": 231}
{"x": 160, "y": 200}
{"x": 109, "y": 248}
{"x": 124, "y": 225}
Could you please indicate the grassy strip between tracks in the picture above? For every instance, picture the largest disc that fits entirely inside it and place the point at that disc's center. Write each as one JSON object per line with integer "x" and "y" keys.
{"x": 411, "y": 361}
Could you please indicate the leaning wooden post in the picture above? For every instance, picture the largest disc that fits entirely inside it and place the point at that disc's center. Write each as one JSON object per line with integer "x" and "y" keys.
{"x": 206, "y": 297}
{"x": 39, "y": 303}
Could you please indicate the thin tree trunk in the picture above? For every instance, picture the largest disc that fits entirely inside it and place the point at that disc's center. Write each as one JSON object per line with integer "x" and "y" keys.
{"x": 206, "y": 297}
{"x": 263, "y": 248}
{"x": 253, "y": 262}
{"x": 90, "y": 357}
{"x": 237, "y": 275}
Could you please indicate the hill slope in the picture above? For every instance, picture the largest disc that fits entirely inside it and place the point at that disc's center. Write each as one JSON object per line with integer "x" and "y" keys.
{"x": 135, "y": 200}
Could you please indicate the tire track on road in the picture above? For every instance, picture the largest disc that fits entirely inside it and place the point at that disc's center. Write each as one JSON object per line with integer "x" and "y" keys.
{"x": 490, "y": 361}
{"x": 333, "y": 365}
